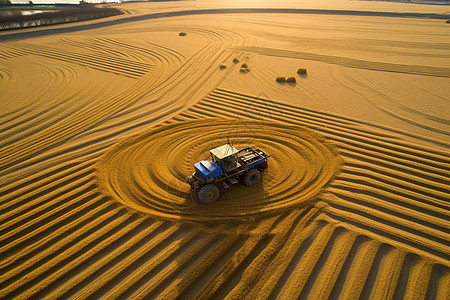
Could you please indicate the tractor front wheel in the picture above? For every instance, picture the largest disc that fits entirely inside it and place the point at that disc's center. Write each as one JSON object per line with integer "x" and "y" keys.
{"x": 252, "y": 177}
{"x": 208, "y": 193}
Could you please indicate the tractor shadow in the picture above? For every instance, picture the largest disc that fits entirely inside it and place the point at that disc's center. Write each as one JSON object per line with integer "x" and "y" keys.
{"x": 240, "y": 196}
{"x": 237, "y": 205}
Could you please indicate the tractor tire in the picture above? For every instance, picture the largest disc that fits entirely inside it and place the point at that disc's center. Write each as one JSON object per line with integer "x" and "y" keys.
{"x": 251, "y": 177}
{"x": 208, "y": 193}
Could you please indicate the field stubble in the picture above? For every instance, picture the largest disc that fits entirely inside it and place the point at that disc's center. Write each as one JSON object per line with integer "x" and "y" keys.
{"x": 363, "y": 213}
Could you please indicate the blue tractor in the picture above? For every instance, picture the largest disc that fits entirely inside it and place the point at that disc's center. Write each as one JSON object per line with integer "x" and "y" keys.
{"x": 227, "y": 165}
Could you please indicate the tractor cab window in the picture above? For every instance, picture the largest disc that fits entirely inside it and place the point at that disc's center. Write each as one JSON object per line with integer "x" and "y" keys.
{"x": 215, "y": 159}
{"x": 229, "y": 163}
{"x": 225, "y": 156}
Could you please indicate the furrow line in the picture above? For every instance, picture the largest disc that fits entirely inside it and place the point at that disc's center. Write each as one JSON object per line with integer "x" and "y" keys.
{"x": 354, "y": 159}
{"x": 100, "y": 48}
{"x": 103, "y": 57}
{"x": 289, "y": 110}
{"x": 80, "y": 200}
{"x": 275, "y": 274}
{"x": 383, "y": 199}
{"x": 438, "y": 284}
{"x": 341, "y": 121}
{"x": 383, "y": 273}
{"x": 419, "y": 161}
{"x": 124, "y": 67}
{"x": 37, "y": 119}
{"x": 264, "y": 267}
{"x": 336, "y": 133}
{"x": 395, "y": 233}
{"x": 28, "y": 284}
{"x": 433, "y": 201}
{"x": 326, "y": 270}
{"x": 345, "y": 266}
{"x": 66, "y": 130}
{"x": 211, "y": 262}
{"x": 318, "y": 119}
{"x": 174, "y": 55}
{"x": 375, "y": 178}
{"x": 74, "y": 231}
{"x": 107, "y": 67}
{"x": 42, "y": 199}
{"x": 286, "y": 260}
{"x": 418, "y": 280}
{"x": 358, "y": 270}
{"x": 436, "y": 170}
{"x": 221, "y": 279}
{"x": 44, "y": 176}
{"x": 169, "y": 251}
{"x": 406, "y": 274}
{"x": 416, "y": 231}
{"x": 107, "y": 287}
{"x": 189, "y": 277}
{"x": 112, "y": 268}
{"x": 301, "y": 270}
{"x": 174, "y": 271}
{"x": 85, "y": 272}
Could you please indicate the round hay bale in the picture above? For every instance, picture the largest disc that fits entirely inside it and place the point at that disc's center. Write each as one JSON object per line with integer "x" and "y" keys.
{"x": 223, "y": 66}
{"x": 301, "y": 71}
{"x": 291, "y": 80}
{"x": 244, "y": 65}
{"x": 235, "y": 60}
{"x": 280, "y": 79}
{"x": 182, "y": 34}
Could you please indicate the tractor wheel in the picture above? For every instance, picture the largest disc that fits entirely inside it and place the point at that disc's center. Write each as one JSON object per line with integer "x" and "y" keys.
{"x": 252, "y": 177}
{"x": 208, "y": 193}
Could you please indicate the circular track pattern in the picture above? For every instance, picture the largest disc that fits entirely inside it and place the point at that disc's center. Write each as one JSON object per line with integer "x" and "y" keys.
{"x": 147, "y": 171}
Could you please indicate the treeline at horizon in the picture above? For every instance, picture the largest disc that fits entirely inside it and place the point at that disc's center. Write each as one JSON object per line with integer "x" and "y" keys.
{"x": 65, "y": 14}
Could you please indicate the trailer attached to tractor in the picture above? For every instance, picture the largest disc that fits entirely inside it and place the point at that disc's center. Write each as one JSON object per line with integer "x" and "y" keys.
{"x": 227, "y": 164}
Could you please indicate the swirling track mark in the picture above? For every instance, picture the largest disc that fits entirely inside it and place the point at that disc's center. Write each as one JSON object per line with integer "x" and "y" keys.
{"x": 4, "y": 76}
{"x": 148, "y": 176}
{"x": 7, "y": 54}
{"x": 351, "y": 62}
{"x": 153, "y": 51}
{"x": 102, "y": 62}
{"x": 412, "y": 114}
{"x": 43, "y": 101}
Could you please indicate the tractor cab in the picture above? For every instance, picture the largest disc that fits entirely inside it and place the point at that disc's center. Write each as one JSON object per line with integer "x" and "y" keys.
{"x": 227, "y": 164}
{"x": 226, "y": 157}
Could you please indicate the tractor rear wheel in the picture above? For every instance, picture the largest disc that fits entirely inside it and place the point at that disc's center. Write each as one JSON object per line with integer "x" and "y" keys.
{"x": 208, "y": 193}
{"x": 252, "y": 177}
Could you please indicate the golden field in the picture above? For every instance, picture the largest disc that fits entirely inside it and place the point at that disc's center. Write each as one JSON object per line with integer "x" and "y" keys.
{"x": 100, "y": 122}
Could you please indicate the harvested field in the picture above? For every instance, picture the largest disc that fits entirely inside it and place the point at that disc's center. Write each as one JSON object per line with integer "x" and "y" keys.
{"x": 101, "y": 122}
